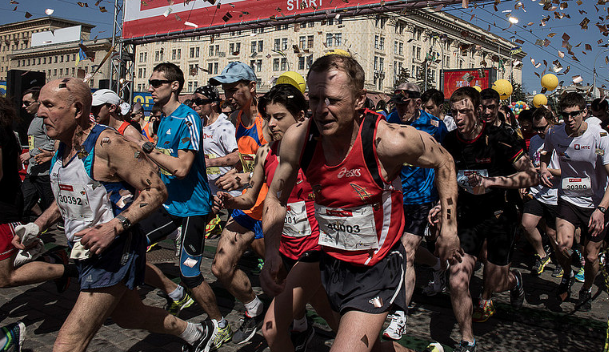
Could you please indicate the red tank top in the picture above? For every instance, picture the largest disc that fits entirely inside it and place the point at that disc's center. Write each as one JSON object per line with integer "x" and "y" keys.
{"x": 360, "y": 214}
{"x": 300, "y": 229}
{"x": 123, "y": 127}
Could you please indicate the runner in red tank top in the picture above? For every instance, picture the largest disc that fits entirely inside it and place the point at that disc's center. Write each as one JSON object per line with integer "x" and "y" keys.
{"x": 283, "y": 106}
{"x": 351, "y": 156}
{"x": 105, "y": 108}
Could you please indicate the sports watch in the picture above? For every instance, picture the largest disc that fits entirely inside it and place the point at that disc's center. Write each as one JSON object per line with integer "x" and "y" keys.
{"x": 148, "y": 147}
{"x": 602, "y": 209}
{"x": 124, "y": 221}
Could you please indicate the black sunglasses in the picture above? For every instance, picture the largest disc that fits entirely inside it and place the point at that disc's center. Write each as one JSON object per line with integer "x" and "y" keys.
{"x": 28, "y": 103}
{"x": 571, "y": 114}
{"x": 157, "y": 82}
{"x": 200, "y": 101}
{"x": 540, "y": 128}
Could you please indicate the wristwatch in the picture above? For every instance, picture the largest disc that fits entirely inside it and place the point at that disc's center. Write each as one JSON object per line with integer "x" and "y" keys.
{"x": 148, "y": 147}
{"x": 124, "y": 221}
{"x": 602, "y": 209}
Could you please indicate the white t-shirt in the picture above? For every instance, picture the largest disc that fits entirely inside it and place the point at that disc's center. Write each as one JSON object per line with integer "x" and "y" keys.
{"x": 582, "y": 162}
{"x": 594, "y": 120}
{"x": 540, "y": 192}
{"x": 218, "y": 141}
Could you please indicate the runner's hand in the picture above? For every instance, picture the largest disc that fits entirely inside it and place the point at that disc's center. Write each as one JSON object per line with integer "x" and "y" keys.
{"x": 545, "y": 177}
{"x": 448, "y": 249}
{"x": 223, "y": 200}
{"x": 596, "y": 223}
{"x": 269, "y": 277}
{"x": 434, "y": 215}
{"x": 25, "y": 235}
{"x": 96, "y": 239}
{"x": 232, "y": 180}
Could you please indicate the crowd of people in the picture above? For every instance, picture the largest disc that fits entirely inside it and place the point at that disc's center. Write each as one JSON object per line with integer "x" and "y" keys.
{"x": 338, "y": 201}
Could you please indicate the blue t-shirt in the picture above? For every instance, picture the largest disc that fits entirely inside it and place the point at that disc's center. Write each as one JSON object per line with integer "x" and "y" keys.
{"x": 189, "y": 196}
{"x": 418, "y": 183}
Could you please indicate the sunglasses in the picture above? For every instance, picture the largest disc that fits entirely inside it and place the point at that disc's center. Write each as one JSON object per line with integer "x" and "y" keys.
{"x": 28, "y": 103}
{"x": 157, "y": 82}
{"x": 571, "y": 114}
{"x": 540, "y": 128}
{"x": 200, "y": 101}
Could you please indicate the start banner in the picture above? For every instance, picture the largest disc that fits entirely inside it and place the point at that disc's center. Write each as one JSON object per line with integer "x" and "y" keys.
{"x": 143, "y": 18}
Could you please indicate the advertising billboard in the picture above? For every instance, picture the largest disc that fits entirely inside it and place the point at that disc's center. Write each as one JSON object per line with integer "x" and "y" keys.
{"x": 2, "y": 88}
{"x": 59, "y": 35}
{"x": 162, "y": 17}
{"x": 454, "y": 79}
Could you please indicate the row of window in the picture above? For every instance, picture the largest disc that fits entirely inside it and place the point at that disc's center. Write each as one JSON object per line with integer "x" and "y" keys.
{"x": 43, "y": 60}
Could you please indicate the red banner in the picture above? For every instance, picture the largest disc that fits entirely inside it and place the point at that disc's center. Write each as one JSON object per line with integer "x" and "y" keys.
{"x": 144, "y": 18}
{"x": 481, "y": 77}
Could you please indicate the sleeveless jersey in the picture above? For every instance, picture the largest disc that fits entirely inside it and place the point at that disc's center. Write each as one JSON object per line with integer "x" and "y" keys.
{"x": 359, "y": 213}
{"x": 83, "y": 201}
{"x": 300, "y": 228}
{"x": 123, "y": 127}
{"x": 145, "y": 131}
{"x": 249, "y": 139}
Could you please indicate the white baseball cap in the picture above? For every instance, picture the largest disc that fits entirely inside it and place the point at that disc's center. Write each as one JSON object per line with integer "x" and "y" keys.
{"x": 105, "y": 96}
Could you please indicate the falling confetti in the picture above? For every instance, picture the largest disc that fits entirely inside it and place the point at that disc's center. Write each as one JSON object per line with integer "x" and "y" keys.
{"x": 49, "y": 12}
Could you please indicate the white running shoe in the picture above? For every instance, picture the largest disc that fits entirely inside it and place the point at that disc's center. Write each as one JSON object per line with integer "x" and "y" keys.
{"x": 437, "y": 285}
{"x": 397, "y": 327}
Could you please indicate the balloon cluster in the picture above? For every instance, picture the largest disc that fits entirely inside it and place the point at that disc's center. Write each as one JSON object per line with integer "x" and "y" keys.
{"x": 518, "y": 106}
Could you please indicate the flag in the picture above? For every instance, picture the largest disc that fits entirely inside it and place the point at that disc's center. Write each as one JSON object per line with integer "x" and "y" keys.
{"x": 81, "y": 56}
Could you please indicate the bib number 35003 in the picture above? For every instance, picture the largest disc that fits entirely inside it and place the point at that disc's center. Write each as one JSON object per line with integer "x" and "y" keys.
{"x": 350, "y": 229}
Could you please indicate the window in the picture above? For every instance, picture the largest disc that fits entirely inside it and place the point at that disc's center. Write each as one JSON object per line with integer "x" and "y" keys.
{"x": 382, "y": 44}
{"x": 401, "y": 49}
{"x": 61, "y": 72}
{"x": 276, "y": 45}
{"x": 194, "y": 52}
{"x": 381, "y": 64}
{"x": 284, "y": 43}
{"x": 302, "y": 42}
{"x": 395, "y": 47}
{"x": 210, "y": 68}
{"x": 260, "y": 45}
{"x": 192, "y": 69}
{"x": 55, "y": 58}
{"x": 54, "y": 72}
{"x": 338, "y": 39}
{"x": 173, "y": 54}
{"x": 253, "y": 47}
{"x": 189, "y": 87}
{"x": 253, "y": 64}
{"x": 258, "y": 65}
{"x": 310, "y": 41}
{"x": 73, "y": 70}
{"x": 328, "y": 39}
{"x": 376, "y": 63}
{"x": 284, "y": 64}
{"x": 275, "y": 64}
{"x": 215, "y": 68}
{"x": 141, "y": 57}
{"x": 376, "y": 41}
{"x": 156, "y": 56}
{"x": 67, "y": 58}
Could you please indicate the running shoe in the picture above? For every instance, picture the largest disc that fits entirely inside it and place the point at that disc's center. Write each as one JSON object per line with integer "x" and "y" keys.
{"x": 558, "y": 271}
{"x": 579, "y": 277}
{"x": 564, "y": 288}
{"x": 540, "y": 264}
{"x": 483, "y": 312}
{"x": 437, "y": 285}
{"x": 465, "y": 346}
{"x": 301, "y": 339}
{"x": 434, "y": 347}
{"x": 206, "y": 341}
{"x": 15, "y": 334}
{"x": 248, "y": 328}
{"x": 61, "y": 257}
{"x": 175, "y": 307}
{"x": 517, "y": 293}
{"x": 397, "y": 327}
{"x": 584, "y": 301}
{"x": 223, "y": 335}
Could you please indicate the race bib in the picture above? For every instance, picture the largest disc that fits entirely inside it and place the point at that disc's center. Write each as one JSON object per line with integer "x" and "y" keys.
{"x": 30, "y": 142}
{"x": 577, "y": 186}
{"x": 213, "y": 170}
{"x": 464, "y": 182}
{"x": 349, "y": 229}
{"x": 166, "y": 152}
{"x": 247, "y": 160}
{"x": 296, "y": 223}
{"x": 73, "y": 201}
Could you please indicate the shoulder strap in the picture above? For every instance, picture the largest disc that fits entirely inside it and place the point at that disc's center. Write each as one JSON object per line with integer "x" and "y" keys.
{"x": 308, "y": 150}
{"x": 123, "y": 127}
{"x": 368, "y": 133}
{"x": 92, "y": 138}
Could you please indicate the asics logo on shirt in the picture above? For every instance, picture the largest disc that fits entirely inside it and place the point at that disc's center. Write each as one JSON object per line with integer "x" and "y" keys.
{"x": 349, "y": 173}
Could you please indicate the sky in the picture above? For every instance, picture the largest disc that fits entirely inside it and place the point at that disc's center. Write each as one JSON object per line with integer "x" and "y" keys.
{"x": 564, "y": 22}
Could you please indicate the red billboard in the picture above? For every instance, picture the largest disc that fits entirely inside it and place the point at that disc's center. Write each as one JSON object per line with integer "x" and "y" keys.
{"x": 454, "y": 79}
{"x": 158, "y": 18}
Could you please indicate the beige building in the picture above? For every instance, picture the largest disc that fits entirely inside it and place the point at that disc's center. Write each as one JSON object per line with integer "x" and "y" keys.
{"x": 383, "y": 44}
{"x": 56, "y": 59}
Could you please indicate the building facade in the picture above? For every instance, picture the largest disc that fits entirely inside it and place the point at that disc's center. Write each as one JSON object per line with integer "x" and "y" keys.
{"x": 417, "y": 44}
{"x": 55, "y": 60}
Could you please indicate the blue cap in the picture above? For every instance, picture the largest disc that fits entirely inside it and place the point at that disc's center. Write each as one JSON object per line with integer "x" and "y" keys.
{"x": 234, "y": 72}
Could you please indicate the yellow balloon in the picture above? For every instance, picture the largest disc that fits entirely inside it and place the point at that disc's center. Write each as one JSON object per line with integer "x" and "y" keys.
{"x": 504, "y": 88}
{"x": 478, "y": 89}
{"x": 340, "y": 52}
{"x": 549, "y": 81}
{"x": 293, "y": 78}
{"x": 540, "y": 100}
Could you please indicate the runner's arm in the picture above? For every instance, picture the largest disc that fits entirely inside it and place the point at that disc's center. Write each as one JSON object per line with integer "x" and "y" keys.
{"x": 397, "y": 145}
{"x": 228, "y": 160}
{"x": 274, "y": 211}
{"x": 525, "y": 177}
{"x": 248, "y": 199}
{"x": 597, "y": 219}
